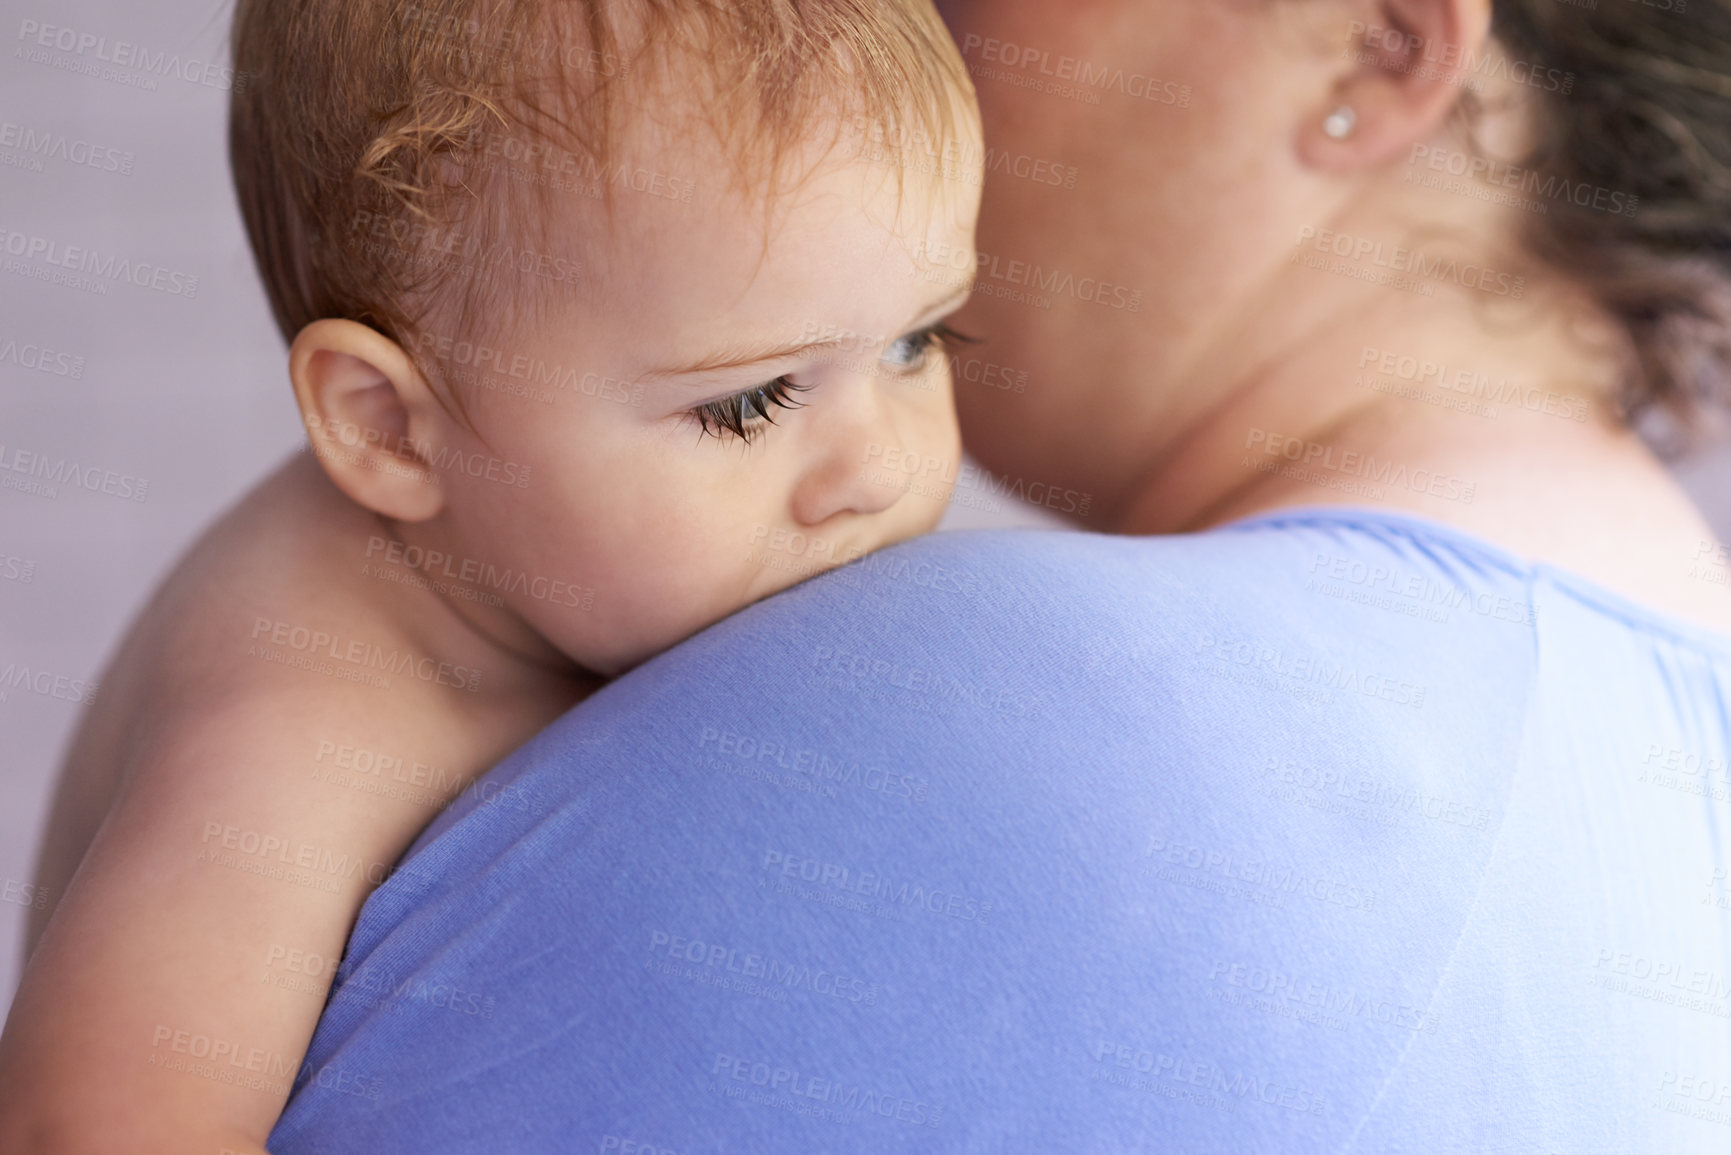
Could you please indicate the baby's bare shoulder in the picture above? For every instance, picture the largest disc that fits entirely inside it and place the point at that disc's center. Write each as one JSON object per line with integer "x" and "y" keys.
{"x": 281, "y": 620}
{"x": 272, "y": 652}
{"x": 276, "y": 600}
{"x": 267, "y": 743}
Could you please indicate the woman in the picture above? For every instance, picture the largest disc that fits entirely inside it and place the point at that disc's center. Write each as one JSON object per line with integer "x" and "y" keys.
{"x": 1562, "y": 245}
{"x": 1387, "y": 824}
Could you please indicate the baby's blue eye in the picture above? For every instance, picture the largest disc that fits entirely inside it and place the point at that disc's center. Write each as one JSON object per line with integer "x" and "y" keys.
{"x": 744, "y": 414}
{"x": 908, "y": 352}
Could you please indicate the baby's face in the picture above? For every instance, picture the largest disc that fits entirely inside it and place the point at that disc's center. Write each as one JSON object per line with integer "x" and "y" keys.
{"x": 637, "y": 488}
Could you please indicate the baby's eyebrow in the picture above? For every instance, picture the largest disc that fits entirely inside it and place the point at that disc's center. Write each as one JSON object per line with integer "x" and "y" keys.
{"x": 736, "y": 356}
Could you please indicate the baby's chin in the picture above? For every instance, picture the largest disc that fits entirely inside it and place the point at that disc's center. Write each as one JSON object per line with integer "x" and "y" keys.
{"x": 629, "y": 643}
{"x": 775, "y": 564}
{"x": 785, "y": 572}
{"x": 784, "y": 561}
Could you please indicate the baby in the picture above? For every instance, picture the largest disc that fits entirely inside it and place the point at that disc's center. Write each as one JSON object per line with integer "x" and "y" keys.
{"x": 598, "y": 312}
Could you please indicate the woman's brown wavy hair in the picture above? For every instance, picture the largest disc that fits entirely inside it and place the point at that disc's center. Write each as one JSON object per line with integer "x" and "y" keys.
{"x": 1649, "y": 117}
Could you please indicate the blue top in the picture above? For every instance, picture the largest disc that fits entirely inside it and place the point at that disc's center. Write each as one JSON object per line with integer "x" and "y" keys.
{"x": 1326, "y": 831}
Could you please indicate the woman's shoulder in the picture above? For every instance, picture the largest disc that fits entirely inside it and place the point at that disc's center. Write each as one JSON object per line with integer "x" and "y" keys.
{"x": 1120, "y": 775}
{"x": 1351, "y": 572}
{"x": 1308, "y": 649}
{"x": 1266, "y": 592}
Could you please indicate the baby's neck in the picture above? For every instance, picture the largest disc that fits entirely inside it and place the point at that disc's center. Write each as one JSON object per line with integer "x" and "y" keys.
{"x": 426, "y": 589}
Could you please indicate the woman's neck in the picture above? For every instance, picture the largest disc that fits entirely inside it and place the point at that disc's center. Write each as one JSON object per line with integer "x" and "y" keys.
{"x": 1487, "y": 416}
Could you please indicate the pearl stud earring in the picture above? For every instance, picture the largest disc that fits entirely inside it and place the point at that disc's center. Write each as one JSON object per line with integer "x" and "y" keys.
{"x": 1339, "y": 122}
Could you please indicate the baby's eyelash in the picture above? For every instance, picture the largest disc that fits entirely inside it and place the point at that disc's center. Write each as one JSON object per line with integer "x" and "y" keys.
{"x": 731, "y": 414}
{"x": 736, "y": 415}
{"x": 942, "y": 334}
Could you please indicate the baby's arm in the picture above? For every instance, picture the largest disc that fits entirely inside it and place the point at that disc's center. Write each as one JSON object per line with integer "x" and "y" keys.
{"x": 150, "y": 1017}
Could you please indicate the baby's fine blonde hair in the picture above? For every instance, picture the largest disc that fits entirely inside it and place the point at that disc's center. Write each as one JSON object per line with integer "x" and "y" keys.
{"x": 396, "y": 162}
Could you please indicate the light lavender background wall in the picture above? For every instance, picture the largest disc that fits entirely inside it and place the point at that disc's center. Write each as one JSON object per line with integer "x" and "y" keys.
{"x": 186, "y": 392}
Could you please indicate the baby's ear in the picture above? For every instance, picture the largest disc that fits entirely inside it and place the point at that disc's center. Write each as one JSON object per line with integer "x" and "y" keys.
{"x": 371, "y": 419}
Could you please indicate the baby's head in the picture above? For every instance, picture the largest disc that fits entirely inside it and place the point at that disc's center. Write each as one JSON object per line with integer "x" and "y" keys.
{"x": 620, "y": 307}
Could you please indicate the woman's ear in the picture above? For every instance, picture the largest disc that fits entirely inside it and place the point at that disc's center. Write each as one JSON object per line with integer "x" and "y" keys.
{"x": 1402, "y": 67}
{"x": 371, "y": 419}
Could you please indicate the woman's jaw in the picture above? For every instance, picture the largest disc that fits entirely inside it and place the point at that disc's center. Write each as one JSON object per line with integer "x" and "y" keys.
{"x": 1220, "y": 275}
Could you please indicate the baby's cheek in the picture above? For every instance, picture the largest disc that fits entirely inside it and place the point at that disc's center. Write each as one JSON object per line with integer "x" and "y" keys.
{"x": 679, "y": 573}
{"x": 941, "y": 425}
